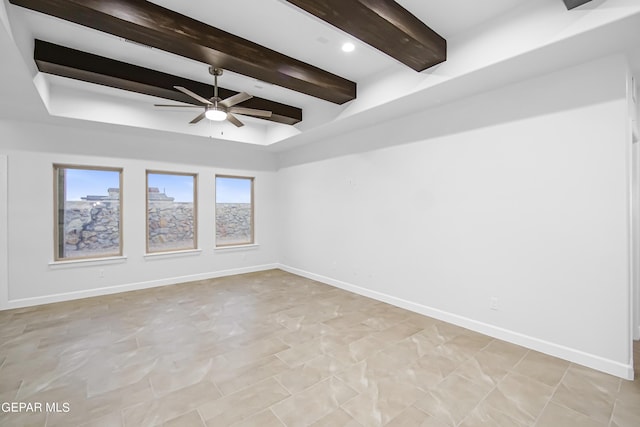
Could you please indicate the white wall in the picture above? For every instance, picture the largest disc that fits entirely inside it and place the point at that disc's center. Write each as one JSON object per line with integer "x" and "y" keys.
{"x": 519, "y": 194}
{"x": 32, "y": 148}
{"x": 634, "y": 116}
{"x": 635, "y": 227}
{"x": 4, "y": 287}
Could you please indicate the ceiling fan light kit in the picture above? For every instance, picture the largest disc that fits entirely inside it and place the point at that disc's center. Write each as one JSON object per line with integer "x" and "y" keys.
{"x": 217, "y": 109}
{"x": 216, "y": 115}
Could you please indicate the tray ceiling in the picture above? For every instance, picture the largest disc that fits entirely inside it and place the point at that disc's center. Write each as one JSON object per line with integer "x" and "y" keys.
{"x": 279, "y": 51}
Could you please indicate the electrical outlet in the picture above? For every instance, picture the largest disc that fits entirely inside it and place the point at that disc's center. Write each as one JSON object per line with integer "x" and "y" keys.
{"x": 493, "y": 303}
{"x": 101, "y": 273}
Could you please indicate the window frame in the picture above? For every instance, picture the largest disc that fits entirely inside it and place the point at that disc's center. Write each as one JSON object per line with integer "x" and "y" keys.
{"x": 56, "y": 211}
{"x": 194, "y": 175}
{"x": 252, "y": 179}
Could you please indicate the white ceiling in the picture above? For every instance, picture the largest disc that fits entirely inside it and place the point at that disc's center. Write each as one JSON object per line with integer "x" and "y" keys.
{"x": 508, "y": 29}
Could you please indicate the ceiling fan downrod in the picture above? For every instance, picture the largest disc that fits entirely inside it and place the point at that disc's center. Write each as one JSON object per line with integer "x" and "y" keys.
{"x": 215, "y": 72}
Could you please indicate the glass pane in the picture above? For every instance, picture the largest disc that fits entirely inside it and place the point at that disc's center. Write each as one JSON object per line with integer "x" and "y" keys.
{"x": 234, "y": 211}
{"x": 88, "y": 205}
{"x": 171, "y": 209}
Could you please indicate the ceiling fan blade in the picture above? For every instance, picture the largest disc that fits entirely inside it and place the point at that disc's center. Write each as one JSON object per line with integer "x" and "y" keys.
{"x": 193, "y": 95}
{"x": 176, "y": 105}
{"x": 250, "y": 112}
{"x": 235, "y": 99}
{"x": 197, "y": 119}
{"x": 233, "y": 119}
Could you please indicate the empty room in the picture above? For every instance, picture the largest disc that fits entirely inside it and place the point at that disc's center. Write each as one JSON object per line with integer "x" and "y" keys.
{"x": 319, "y": 213}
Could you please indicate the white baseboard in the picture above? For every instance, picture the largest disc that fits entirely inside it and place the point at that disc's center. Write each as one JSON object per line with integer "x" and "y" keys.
{"x": 573, "y": 355}
{"x": 68, "y": 296}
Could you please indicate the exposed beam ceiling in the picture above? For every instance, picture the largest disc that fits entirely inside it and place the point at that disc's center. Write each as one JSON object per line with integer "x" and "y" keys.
{"x": 385, "y": 25}
{"x": 574, "y": 3}
{"x": 147, "y": 23}
{"x": 62, "y": 61}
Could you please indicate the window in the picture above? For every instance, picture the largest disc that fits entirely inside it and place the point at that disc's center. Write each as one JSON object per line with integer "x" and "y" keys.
{"x": 234, "y": 211}
{"x": 88, "y": 212}
{"x": 171, "y": 211}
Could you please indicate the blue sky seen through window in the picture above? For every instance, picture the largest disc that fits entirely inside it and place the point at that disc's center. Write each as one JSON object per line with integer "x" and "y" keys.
{"x": 180, "y": 187}
{"x": 84, "y": 182}
{"x": 233, "y": 190}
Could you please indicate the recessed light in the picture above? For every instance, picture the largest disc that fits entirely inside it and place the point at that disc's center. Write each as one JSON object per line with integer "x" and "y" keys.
{"x": 348, "y": 47}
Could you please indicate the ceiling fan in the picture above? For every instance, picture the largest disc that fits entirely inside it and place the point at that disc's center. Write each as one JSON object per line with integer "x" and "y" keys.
{"x": 217, "y": 109}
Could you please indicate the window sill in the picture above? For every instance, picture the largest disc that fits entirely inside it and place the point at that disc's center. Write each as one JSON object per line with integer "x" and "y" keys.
{"x": 232, "y": 248}
{"x": 173, "y": 254}
{"x": 87, "y": 262}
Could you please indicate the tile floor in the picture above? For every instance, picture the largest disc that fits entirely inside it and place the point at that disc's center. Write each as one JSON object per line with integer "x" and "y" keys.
{"x": 273, "y": 349}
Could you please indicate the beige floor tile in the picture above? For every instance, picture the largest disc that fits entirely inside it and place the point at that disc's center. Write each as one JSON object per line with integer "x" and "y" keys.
{"x": 629, "y": 391}
{"x": 191, "y": 419}
{"x": 520, "y": 397}
{"x": 366, "y": 374}
{"x": 511, "y": 353}
{"x": 589, "y": 392}
{"x": 469, "y": 343}
{"x": 58, "y": 396}
{"x": 385, "y": 316}
{"x": 23, "y": 419}
{"x": 11, "y": 329}
{"x": 626, "y": 414}
{"x": 243, "y": 404}
{"x": 556, "y": 415}
{"x": 348, "y": 320}
{"x": 484, "y": 368}
{"x": 452, "y": 399}
{"x": 261, "y": 419}
{"x": 337, "y": 418}
{"x": 306, "y": 332}
{"x": 397, "y": 332}
{"x": 248, "y": 375}
{"x": 249, "y": 349}
{"x": 428, "y": 372}
{"x": 32, "y": 371}
{"x": 171, "y": 405}
{"x": 9, "y": 387}
{"x": 355, "y": 351}
{"x": 304, "y": 376}
{"x": 104, "y": 405}
{"x": 541, "y": 367}
{"x": 581, "y": 376}
{"x": 412, "y": 417}
{"x": 269, "y": 348}
{"x": 298, "y": 354}
{"x": 382, "y": 402}
{"x": 113, "y": 419}
{"x": 440, "y": 332}
{"x": 459, "y": 349}
{"x": 173, "y": 375}
{"x": 410, "y": 349}
{"x": 313, "y": 403}
{"x": 485, "y": 415}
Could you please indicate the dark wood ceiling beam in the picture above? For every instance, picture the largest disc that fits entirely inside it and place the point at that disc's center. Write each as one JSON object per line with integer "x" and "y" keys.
{"x": 147, "y": 23}
{"x": 385, "y": 25}
{"x": 66, "y": 62}
{"x": 574, "y": 3}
